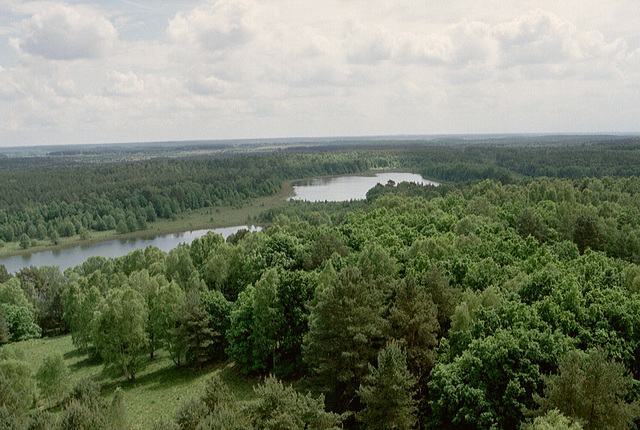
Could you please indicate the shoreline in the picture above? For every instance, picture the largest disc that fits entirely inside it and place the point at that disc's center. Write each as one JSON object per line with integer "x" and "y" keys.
{"x": 199, "y": 219}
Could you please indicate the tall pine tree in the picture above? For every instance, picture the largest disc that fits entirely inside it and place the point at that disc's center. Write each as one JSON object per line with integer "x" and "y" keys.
{"x": 388, "y": 392}
{"x": 345, "y": 333}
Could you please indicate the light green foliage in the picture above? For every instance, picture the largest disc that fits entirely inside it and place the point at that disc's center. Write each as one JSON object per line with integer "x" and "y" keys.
{"x": 202, "y": 248}
{"x": 532, "y": 299}
{"x": 43, "y": 288}
{"x": 87, "y": 392}
{"x": 117, "y": 415}
{"x": 20, "y": 377}
{"x": 165, "y": 425}
{"x": 552, "y": 420}
{"x": 216, "y": 393}
{"x": 53, "y": 378}
{"x": 215, "y": 269}
{"x": 20, "y": 323}
{"x": 148, "y": 287}
{"x": 9, "y": 421}
{"x": 240, "y": 333}
{"x": 190, "y": 414}
{"x": 492, "y": 382}
{"x": 591, "y": 390}
{"x": 466, "y": 314}
{"x": 267, "y": 320}
{"x": 443, "y": 295}
{"x": 80, "y": 305}
{"x": 41, "y": 420}
{"x": 280, "y": 407}
{"x": 375, "y": 262}
{"x": 12, "y": 405}
{"x": 224, "y": 418}
{"x": 11, "y": 293}
{"x": 119, "y": 329}
{"x": 179, "y": 267}
{"x": 215, "y": 409}
{"x": 84, "y": 408}
{"x": 4, "y": 328}
{"x": 170, "y": 303}
{"x": 24, "y": 241}
{"x": 387, "y": 392}
{"x": 80, "y": 416}
{"x": 219, "y": 311}
{"x": 632, "y": 279}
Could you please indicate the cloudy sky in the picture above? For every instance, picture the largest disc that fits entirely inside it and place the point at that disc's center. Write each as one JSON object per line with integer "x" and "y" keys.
{"x": 154, "y": 70}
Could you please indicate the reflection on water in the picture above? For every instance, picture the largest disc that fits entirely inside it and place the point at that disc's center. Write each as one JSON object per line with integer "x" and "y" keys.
{"x": 71, "y": 257}
{"x": 345, "y": 188}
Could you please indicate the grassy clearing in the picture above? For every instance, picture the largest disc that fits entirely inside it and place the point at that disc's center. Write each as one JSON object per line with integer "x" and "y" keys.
{"x": 159, "y": 389}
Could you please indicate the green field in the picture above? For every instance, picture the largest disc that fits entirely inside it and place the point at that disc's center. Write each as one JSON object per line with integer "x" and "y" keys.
{"x": 159, "y": 389}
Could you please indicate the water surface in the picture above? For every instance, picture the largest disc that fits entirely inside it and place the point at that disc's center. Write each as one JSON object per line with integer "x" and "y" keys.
{"x": 71, "y": 257}
{"x": 345, "y": 188}
{"x": 336, "y": 189}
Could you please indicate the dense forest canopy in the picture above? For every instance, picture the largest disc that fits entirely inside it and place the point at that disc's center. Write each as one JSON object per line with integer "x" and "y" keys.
{"x": 507, "y": 298}
{"x": 54, "y": 200}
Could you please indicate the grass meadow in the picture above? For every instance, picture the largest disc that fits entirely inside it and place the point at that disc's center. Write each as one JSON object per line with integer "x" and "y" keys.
{"x": 158, "y": 390}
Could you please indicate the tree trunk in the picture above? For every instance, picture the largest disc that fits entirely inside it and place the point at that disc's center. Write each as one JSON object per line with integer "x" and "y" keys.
{"x": 152, "y": 344}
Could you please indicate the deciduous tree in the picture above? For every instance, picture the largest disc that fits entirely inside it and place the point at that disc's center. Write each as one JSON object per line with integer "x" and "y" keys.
{"x": 119, "y": 329}
{"x": 53, "y": 378}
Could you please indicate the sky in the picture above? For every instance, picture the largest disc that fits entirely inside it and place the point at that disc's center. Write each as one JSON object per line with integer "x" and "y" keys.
{"x": 157, "y": 70}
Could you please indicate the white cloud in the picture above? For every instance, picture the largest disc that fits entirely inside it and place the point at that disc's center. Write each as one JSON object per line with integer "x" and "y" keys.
{"x": 214, "y": 26}
{"x": 124, "y": 84}
{"x": 208, "y": 85}
{"x": 368, "y": 44}
{"x": 553, "y": 46}
{"x": 243, "y": 68}
{"x": 62, "y": 32}
{"x": 9, "y": 89}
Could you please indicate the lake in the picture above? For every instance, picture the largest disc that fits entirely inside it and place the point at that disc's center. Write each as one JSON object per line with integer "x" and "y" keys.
{"x": 71, "y": 257}
{"x": 340, "y": 188}
{"x": 345, "y": 188}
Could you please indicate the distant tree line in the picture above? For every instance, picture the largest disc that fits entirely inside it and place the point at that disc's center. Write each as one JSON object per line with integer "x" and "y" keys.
{"x": 39, "y": 204}
{"x": 41, "y": 200}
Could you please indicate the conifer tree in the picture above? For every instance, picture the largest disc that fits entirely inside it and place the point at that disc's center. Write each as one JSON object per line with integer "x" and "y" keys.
{"x": 192, "y": 335}
{"x": 282, "y": 407}
{"x": 388, "y": 392}
{"x": 4, "y": 330}
{"x": 414, "y": 324}
{"x": 345, "y": 333}
{"x": 591, "y": 390}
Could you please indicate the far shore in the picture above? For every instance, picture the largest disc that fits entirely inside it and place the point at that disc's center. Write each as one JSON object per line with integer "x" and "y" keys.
{"x": 205, "y": 218}
{"x": 199, "y": 219}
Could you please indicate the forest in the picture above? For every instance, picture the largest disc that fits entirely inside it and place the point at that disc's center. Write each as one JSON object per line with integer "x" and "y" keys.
{"x": 506, "y": 298}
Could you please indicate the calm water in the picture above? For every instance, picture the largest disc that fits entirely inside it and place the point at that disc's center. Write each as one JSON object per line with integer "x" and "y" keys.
{"x": 71, "y": 257}
{"x": 336, "y": 189}
{"x": 344, "y": 188}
